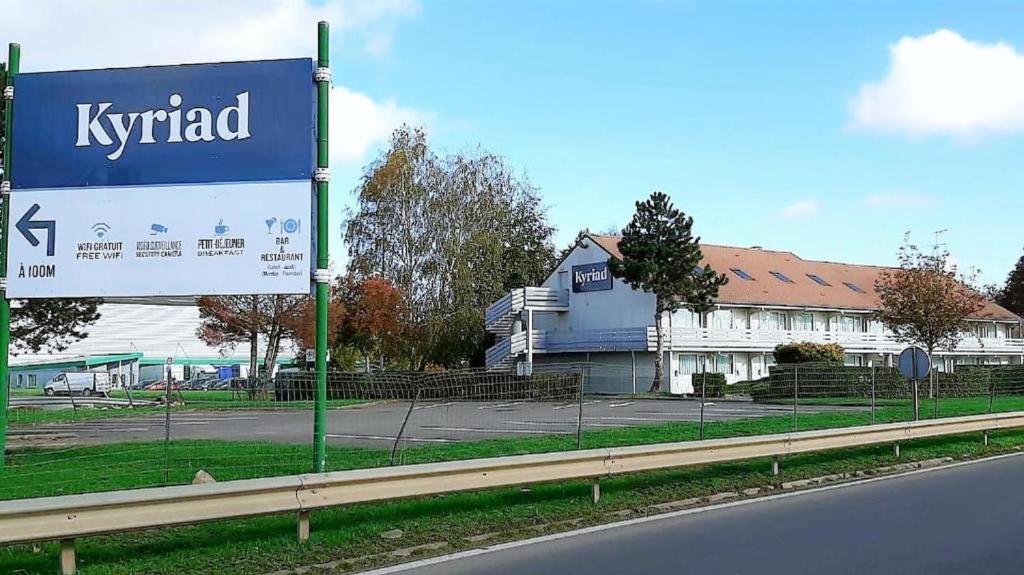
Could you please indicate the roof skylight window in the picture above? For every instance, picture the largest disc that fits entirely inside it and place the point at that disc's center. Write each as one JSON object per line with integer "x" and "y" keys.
{"x": 818, "y": 279}
{"x": 742, "y": 274}
{"x": 853, "y": 287}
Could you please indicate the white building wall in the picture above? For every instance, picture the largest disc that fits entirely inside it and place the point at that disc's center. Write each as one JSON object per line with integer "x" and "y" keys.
{"x": 156, "y": 331}
{"x": 619, "y": 307}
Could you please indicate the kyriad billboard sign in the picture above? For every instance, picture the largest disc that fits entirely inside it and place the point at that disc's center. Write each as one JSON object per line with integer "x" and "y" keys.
{"x": 167, "y": 180}
{"x": 591, "y": 277}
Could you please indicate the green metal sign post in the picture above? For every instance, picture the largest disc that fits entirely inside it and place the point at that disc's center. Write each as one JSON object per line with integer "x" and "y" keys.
{"x": 322, "y": 261}
{"x": 13, "y": 63}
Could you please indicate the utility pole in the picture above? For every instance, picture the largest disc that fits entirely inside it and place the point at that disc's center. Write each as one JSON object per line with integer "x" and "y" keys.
{"x": 13, "y": 64}
{"x": 322, "y": 276}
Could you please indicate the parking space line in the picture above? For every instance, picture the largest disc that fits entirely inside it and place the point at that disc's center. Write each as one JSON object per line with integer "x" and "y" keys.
{"x": 500, "y": 405}
{"x": 434, "y": 405}
{"x": 389, "y": 438}
{"x": 484, "y": 430}
{"x": 624, "y": 404}
{"x": 568, "y": 405}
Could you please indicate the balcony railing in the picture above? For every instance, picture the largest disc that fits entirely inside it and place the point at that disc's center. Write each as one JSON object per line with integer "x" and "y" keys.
{"x": 713, "y": 339}
{"x": 624, "y": 339}
{"x": 499, "y": 316}
{"x": 509, "y": 347}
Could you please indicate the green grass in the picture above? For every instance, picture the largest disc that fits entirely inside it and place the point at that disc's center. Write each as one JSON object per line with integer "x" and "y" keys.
{"x": 947, "y": 407}
{"x": 263, "y": 545}
{"x": 194, "y": 400}
{"x": 36, "y": 472}
{"x": 226, "y": 399}
{"x": 27, "y": 392}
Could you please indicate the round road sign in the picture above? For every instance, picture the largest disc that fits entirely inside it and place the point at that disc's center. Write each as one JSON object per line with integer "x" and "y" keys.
{"x": 913, "y": 363}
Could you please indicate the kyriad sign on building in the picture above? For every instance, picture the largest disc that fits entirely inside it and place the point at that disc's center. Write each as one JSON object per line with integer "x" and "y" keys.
{"x": 165, "y": 180}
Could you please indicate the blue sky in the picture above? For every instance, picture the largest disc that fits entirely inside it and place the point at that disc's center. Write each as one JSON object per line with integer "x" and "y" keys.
{"x": 741, "y": 111}
{"x": 825, "y": 128}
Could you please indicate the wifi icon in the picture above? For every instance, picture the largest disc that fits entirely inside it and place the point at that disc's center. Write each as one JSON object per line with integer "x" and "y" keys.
{"x": 100, "y": 229}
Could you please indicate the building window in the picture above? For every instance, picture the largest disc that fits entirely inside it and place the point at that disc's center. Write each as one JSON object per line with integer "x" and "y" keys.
{"x": 774, "y": 320}
{"x": 690, "y": 364}
{"x": 742, "y": 274}
{"x": 853, "y": 287}
{"x": 32, "y": 380}
{"x": 849, "y": 324}
{"x": 803, "y": 322}
{"x": 721, "y": 319}
{"x": 854, "y": 360}
{"x": 685, "y": 318}
{"x": 985, "y": 330}
{"x": 818, "y": 280}
{"x": 782, "y": 277}
{"x": 723, "y": 363}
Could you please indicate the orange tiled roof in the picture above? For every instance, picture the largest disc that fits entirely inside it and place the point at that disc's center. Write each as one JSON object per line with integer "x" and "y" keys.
{"x": 766, "y": 289}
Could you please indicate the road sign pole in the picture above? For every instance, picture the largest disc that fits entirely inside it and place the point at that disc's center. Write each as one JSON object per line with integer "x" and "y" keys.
{"x": 322, "y": 260}
{"x": 13, "y": 63}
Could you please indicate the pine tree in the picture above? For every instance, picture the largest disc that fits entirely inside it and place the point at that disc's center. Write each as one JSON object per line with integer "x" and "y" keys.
{"x": 660, "y": 255}
{"x": 1012, "y": 295}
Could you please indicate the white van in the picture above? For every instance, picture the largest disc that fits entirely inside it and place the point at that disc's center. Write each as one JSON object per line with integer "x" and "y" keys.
{"x": 72, "y": 382}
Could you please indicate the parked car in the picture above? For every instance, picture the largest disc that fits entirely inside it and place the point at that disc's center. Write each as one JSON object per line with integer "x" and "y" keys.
{"x": 83, "y": 383}
{"x": 162, "y": 385}
{"x": 231, "y": 384}
{"x": 201, "y": 382}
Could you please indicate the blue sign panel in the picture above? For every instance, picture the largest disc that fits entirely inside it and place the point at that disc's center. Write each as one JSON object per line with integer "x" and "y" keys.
{"x": 591, "y": 277}
{"x": 228, "y": 122}
{"x": 913, "y": 363}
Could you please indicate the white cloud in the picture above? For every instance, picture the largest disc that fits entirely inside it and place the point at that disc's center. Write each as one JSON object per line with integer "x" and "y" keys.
{"x": 363, "y": 122}
{"x": 899, "y": 200}
{"x": 70, "y": 34}
{"x": 942, "y": 83}
{"x": 800, "y": 209}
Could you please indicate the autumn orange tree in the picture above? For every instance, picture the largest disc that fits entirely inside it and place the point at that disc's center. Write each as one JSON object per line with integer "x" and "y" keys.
{"x": 927, "y": 302}
{"x": 227, "y": 321}
{"x": 374, "y": 319}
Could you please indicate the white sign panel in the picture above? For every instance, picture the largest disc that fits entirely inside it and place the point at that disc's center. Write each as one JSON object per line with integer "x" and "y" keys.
{"x": 246, "y": 238}
{"x": 163, "y": 180}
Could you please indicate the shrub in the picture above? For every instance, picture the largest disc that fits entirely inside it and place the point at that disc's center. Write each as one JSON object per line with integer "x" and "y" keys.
{"x": 743, "y": 387}
{"x": 820, "y": 380}
{"x": 759, "y": 392}
{"x": 805, "y": 351}
{"x": 714, "y": 385}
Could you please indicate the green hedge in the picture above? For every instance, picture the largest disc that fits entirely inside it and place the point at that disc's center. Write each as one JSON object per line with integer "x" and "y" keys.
{"x": 806, "y": 351}
{"x": 714, "y": 384}
{"x": 817, "y": 380}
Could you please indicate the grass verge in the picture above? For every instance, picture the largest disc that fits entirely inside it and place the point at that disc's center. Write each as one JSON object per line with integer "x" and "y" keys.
{"x": 265, "y": 545}
{"x": 38, "y": 472}
{"x": 193, "y": 400}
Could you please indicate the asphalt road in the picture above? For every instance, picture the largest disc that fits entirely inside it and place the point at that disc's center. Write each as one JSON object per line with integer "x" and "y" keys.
{"x": 961, "y": 520}
{"x": 377, "y": 424}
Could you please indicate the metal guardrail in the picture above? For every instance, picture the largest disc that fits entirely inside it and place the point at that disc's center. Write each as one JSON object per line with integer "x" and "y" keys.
{"x": 67, "y": 517}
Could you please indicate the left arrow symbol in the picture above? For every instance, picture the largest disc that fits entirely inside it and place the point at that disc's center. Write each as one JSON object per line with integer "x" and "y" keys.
{"x": 25, "y": 225}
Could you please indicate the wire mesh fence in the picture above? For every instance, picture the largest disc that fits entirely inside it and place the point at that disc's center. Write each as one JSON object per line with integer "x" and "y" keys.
{"x": 220, "y": 430}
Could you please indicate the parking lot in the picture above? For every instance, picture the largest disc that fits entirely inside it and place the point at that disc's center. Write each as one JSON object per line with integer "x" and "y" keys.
{"x": 377, "y": 424}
